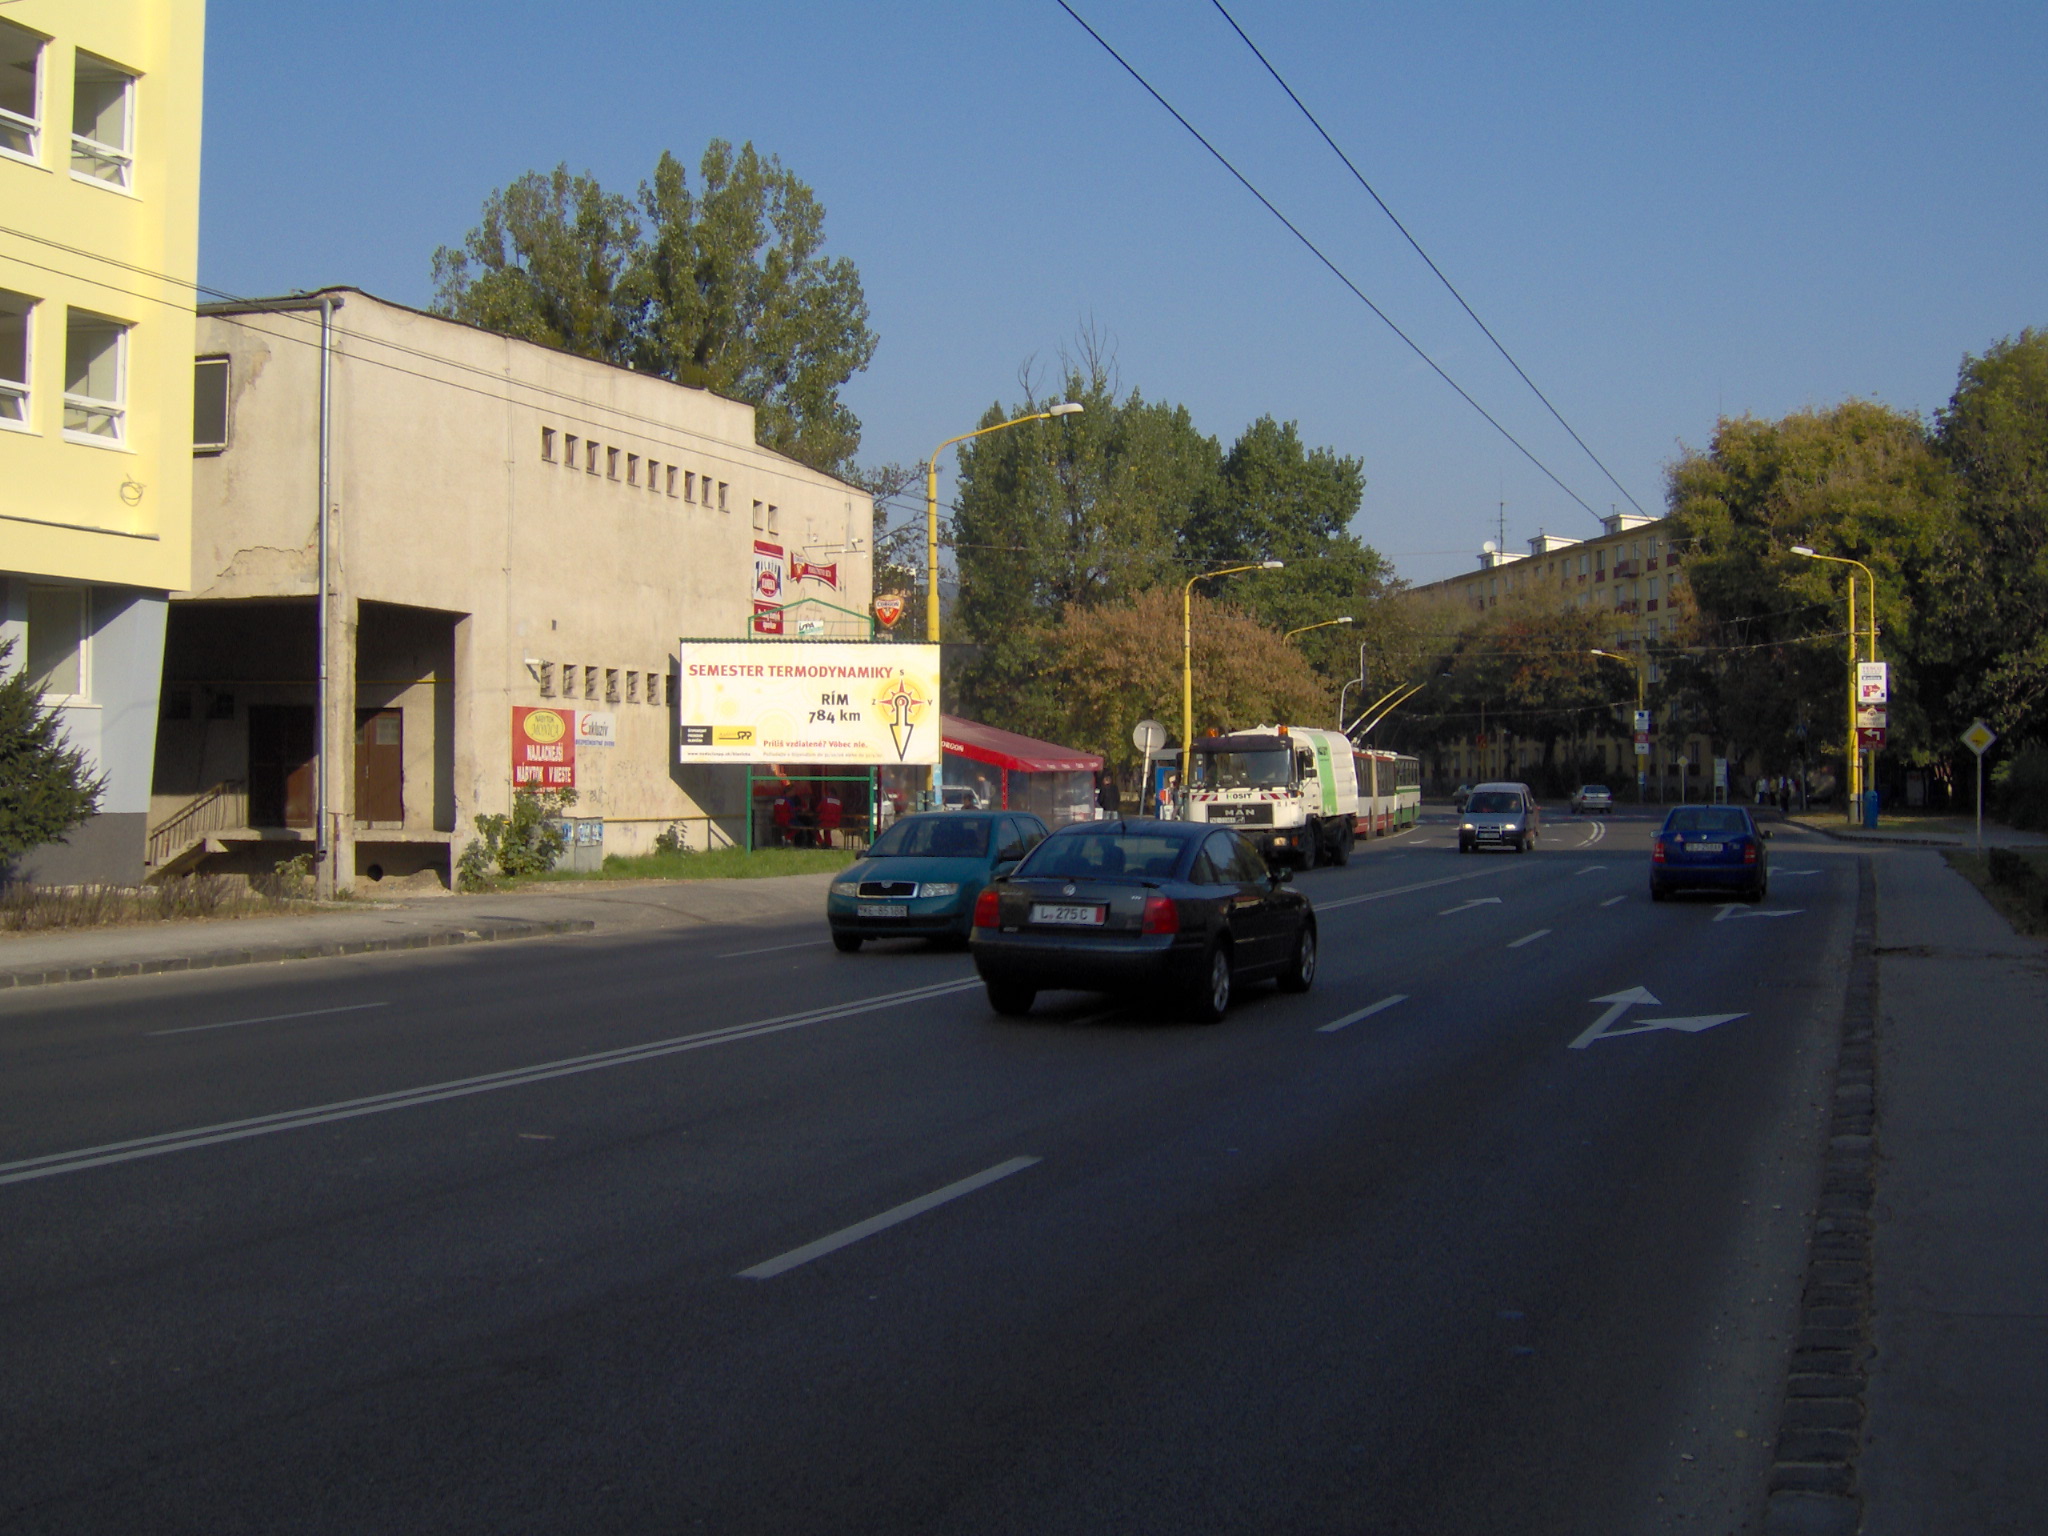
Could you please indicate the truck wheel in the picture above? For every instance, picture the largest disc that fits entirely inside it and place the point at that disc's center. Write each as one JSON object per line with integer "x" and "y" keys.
{"x": 1341, "y": 854}
{"x": 1311, "y": 845}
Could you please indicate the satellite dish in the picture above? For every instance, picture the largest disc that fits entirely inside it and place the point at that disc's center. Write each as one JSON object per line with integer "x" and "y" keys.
{"x": 1489, "y": 547}
{"x": 1149, "y": 736}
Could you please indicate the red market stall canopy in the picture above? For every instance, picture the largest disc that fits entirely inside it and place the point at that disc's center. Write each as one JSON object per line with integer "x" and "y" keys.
{"x": 1006, "y": 749}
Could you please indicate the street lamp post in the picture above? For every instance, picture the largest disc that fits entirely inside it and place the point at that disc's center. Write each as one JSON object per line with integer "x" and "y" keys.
{"x": 1326, "y": 623}
{"x": 1187, "y": 657}
{"x": 1852, "y": 805}
{"x": 1637, "y": 667}
{"x": 931, "y": 505}
{"x": 1358, "y": 681}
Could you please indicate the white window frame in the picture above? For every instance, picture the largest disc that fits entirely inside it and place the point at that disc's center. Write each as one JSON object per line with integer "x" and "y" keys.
{"x": 30, "y": 126}
{"x": 121, "y": 158}
{"x": 23, "y": 388}
{"x": 116, "y": 408}
{"x": 83, "y": 596}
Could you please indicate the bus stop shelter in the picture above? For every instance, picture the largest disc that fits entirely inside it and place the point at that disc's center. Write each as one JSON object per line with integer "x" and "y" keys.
{"x": 1006, "y": 771}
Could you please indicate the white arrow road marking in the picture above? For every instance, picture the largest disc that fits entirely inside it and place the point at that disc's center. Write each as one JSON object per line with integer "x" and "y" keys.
{"x": 1364, "y": 1013}
{"x": 1691, "y": 1026}
{"x": 1618, "y": 1004}
{"x": 1735, "y": 909}
{"x": 1613, "y": 900}
{"x": 1476, "y": 901}
{"x": 1529, "y": 938}
{"x": 847, "y": 1236}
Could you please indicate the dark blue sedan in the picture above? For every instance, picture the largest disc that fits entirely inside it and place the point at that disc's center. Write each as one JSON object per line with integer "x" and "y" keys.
{"x": 1710, "y": 847}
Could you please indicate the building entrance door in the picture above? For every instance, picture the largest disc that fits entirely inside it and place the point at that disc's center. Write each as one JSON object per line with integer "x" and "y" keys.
{"x": 281, "y": 765}
{"x": 380, "y": 765}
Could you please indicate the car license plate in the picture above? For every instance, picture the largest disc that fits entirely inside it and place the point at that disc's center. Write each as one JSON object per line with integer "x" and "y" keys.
{"x": 1704, "y": 847}
{"x": 881, "y": 909}
{"x": 1073, "y": 916}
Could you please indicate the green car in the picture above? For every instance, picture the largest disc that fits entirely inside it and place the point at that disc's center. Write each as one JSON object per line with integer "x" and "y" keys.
{"x": 920, "y": 878}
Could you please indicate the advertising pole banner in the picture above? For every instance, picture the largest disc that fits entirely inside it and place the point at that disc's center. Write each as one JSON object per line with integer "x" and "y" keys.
{"x": 543, "y": 748}
{"x": 807, "y": 701}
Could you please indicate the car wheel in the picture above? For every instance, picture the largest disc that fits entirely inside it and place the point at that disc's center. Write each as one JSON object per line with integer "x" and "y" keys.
{"x": 1658, "y": 893}
{"x": 1301, "y": 968}
{"x": 1009, "y": 1000}
{"x": 1754, "y": 894}
{"x": 847, "y": 943}
{"x": 1209, "y": 999}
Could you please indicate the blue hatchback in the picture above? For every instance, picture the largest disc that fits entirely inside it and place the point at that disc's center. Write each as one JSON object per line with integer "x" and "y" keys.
{"x": 921, "y": 877}
{"x": 1710, "y": 847}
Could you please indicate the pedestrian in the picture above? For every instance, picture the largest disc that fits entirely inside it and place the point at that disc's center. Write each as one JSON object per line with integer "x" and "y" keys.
{"x": 1108, "y": 797}
{"x": 779, "y": 817}
{"x": 1785, "y": 795}
{"x": 830, "y": 812}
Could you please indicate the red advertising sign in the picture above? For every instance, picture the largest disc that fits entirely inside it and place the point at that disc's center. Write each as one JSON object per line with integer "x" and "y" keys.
{"x": 767, "y": 618}
{"x": 808, "y": 570}
{"x": 543, "y": 748}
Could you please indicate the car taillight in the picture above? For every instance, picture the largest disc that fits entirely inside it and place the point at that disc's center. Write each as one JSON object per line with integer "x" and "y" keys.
{"x": 1161, "y": 915}
{"x": 986, "y": 908}
{"x": 1657, "y": 850}
{"x": 1749, "y": 853}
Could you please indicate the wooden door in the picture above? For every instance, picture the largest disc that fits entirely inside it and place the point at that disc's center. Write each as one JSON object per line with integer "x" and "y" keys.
{"x": 281, "y": 765}
{"x": 380, "y": 765}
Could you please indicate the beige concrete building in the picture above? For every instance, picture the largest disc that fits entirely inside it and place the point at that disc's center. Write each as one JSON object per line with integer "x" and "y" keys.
{"x": 505, "y": 527}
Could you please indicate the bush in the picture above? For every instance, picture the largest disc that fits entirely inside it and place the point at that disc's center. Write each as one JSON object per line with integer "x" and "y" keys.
{"x": 2020, "y": 787}
{"x": 46, "y": 788}
{"x": 527, "y": 842}
{"x": 671, "y": 839}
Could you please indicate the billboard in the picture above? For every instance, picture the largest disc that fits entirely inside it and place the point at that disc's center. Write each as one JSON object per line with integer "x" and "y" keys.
{"x": 807, "y": 701}
{"x": 543, "y": 748}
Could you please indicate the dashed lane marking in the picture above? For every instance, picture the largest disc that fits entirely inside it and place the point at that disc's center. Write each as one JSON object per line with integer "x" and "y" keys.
{"x": 1530, "y": 938}
{"x": 1613, "y": 900}
{"x": 274, "y": 1018}
{"x": 845, "y": 1237}
{"x": 1364, "y": 1013}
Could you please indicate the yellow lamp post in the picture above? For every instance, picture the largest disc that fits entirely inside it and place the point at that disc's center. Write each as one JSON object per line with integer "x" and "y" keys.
{"x": 1637, "y": 667}
{"x": 1307, "y": 627}
{"x": 1852, "y": 807}
{"x": 1187, "y": 657}
{"x": 931, "y": 505}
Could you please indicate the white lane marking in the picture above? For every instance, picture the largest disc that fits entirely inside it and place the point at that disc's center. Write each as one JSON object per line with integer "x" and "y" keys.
{"x": 275, "y": 1018}
{"x": 1592, "y": 869}
{"x": 405, "y": 1098}
{"x": 1791, "y": 874}
{"x": 741, "y": 954}
{"x": 1618, "y": 1003}
{"x": 1403, "y": 890}
{"x": 1529, "y": 938}
{"x": 847, "y": 1236}
{"x": 1690, "y": 1026}
{"x": 1469, "y": 903}
{"x": 1364, "y": 1013}
{"x": 1732, "y": 909}
{"x": 1613, "y": 900}
{"x": 1595, "y": 831}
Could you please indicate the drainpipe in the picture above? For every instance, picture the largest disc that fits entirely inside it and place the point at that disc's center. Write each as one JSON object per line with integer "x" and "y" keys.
{"x": 323, "y": 846}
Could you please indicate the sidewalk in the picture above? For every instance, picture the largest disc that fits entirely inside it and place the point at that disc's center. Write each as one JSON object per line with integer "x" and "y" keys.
{"x": 1913, "y": 830}
{"x": 1958, "y": 1380}
{"x": 421, "y": 922}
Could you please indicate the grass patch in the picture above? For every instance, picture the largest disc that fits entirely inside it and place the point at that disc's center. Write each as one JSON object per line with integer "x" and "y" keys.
{"x": 2014, "y": 880}
{"x": 718, "y": 864}
{"x": 29, "y": 908}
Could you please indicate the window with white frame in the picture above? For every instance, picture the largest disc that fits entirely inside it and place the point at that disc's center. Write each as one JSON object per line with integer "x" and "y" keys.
{"x": 95, "y": 377}
{"x": 103, "y": 122}
{"x": 15, "y": 312}
{"x": 21, "y": 91}
{"x": 58, "y": 640}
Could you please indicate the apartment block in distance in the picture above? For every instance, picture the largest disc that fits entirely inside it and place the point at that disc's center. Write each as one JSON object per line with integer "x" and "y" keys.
{"x": 99, "y": 237}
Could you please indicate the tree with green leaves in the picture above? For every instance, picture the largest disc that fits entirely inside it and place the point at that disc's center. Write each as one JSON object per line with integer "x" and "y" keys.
{"x": 46, "y": 787}
{"x": 726, "y": 287}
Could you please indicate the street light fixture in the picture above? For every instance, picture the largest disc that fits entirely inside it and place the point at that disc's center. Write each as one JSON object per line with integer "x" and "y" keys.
{"x": 1187, "y": 657}
{"x": 931, "y": 505}
{"x": 1307, "y": 627}
{"x": 1637, "y": 666}
{"x": 1855, "y": 751}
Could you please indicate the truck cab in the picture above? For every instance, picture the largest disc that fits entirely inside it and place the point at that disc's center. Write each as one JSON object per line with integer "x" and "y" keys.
{"x": 1292, "y": 790}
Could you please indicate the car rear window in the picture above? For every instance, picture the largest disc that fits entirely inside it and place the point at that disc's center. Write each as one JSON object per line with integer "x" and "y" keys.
{"x": 943, "y": 837}
{"x": 1104, "y": 856}
{"x": 1496, "y": 802}
{"x": 1707, "y": 818}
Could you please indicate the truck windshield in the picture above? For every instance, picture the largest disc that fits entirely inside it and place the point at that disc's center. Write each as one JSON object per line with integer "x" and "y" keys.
{"x": 1242, "y": 770}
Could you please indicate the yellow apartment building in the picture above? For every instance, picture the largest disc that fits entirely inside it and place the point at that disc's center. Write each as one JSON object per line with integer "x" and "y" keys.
{"x": 99, "y": 238}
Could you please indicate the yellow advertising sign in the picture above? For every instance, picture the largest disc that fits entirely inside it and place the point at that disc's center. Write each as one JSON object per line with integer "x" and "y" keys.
{"x": 814, "y": 701}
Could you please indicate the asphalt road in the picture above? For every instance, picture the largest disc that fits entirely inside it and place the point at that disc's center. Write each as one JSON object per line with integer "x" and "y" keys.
{"x": 720, "y": 1230}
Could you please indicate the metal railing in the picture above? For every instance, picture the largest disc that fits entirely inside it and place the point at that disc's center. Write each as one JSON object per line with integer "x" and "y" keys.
{"x": 223, "y": 806}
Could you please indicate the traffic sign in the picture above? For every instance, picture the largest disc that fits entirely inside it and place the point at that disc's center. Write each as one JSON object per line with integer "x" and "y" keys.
{"x": 1149, "y": 736}
{"x": 1642, "y": 720}
{"x": 1978, "y": 738}
{"x": 1871, "y": 717}
{"x": 1873, "y": 682}
{"x": 1642, "y": 749}
{"x": 1870, "y": 736}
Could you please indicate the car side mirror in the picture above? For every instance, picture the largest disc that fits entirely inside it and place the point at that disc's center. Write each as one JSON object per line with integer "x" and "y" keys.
{"x": 1282, "y": 876}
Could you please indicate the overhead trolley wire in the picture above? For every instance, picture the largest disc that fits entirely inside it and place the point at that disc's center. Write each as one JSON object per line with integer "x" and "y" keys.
{"x": 1317, "y": 251}
{"x": 1451, "y": 288}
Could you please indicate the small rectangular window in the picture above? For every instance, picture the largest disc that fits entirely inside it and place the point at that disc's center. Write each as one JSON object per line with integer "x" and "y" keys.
{"x": 95, "y": 383}
{"x": 57, "y": 634}
{"x": 760, "y": 522}
{"x": 632, "y": 687}
{"x": 611, "y": 463}
{"x": 103, "y": 122}
{"x": 21, "y": 92}
{"x": 774, "y": 520}
{"x": 654, "y": 686}
{"x": 671, "y": 479}
{"x": 547, "y": 445}
{"x": 15, "y": 312}
{"x": 689, "y": 486}
{"x": 724, "y": 504}
{"x": 654, "y": 476}
{"x": 590, "y": 458}
{"x": 632, "y": 469}
{"x": 547, "y": 679}
{"x": 209, "y": 405}
{"x": 611, "y": 685}
{"x": 590, "y": 682}
{"x": 569, "y": 442}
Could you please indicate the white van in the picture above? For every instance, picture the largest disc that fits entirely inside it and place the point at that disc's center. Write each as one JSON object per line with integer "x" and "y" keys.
{"x": 1499, "y": 815}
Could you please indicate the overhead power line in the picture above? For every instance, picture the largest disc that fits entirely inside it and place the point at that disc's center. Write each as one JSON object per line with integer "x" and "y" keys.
{"x": 1317, "y": 251}
{"x": 1359, "y": 177}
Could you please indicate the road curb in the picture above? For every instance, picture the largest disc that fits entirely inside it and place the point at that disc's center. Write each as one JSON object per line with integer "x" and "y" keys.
{"x": 263, "y": 954}
{"x": 1813, "y": 1489}
{"x": 1877, "y": 837}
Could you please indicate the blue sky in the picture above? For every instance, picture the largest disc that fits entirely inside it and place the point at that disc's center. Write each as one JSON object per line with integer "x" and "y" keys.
{"x": 1667, "y": 212}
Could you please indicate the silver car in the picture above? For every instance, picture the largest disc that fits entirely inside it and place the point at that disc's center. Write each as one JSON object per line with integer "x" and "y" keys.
{"x": 1500, "y": 816}
{"x": 1589, "y": 798}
